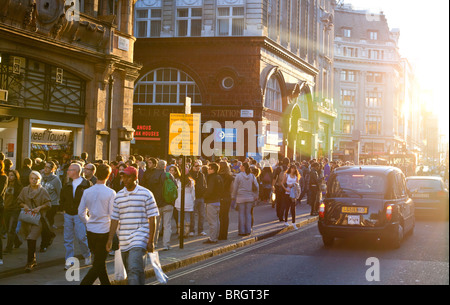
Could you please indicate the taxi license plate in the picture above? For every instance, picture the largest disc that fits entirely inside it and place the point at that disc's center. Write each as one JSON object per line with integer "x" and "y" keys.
{"x": 353, "y": 219}
{"x": 354, "y": 210}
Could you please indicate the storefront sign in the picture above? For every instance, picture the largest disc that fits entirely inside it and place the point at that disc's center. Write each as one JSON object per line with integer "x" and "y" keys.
{"x": 53, "y": 136}
{"x": 146, "y": 133}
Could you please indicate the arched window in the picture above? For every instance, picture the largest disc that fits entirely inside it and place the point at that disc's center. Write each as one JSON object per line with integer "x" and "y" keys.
{"x": 166, "y": 86}
{"x": 273, "y": 99}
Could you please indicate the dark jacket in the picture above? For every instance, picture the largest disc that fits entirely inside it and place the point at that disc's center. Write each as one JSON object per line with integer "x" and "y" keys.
{"x": 214, "y": 189}
{"x": 314, "y": 179}
{"x": 227, "y": 186}
{"x": 24, "y": 174}
{"x": 200, "y": 183}
{"x": 156, "y": 186}
{"x": 145, "y": 182}
{"x": 68, "y": 201}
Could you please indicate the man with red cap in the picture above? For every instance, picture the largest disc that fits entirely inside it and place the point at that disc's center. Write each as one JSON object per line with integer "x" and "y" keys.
{"x": 135, "y": 209}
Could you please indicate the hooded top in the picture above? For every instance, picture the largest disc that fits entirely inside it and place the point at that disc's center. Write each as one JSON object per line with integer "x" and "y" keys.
{"x": 243, "y": 189}
{"x": 53, "y": 186}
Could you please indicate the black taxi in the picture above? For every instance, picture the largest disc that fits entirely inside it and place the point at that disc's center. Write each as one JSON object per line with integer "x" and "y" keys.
{"x": 366, "y": 200}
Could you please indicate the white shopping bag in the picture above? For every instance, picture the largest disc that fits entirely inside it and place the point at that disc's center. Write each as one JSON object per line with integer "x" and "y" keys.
{"x": 152, "y": 259}
{"x": 119, "y": 269}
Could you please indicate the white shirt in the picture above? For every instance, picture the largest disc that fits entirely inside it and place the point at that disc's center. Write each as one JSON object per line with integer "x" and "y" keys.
{"x": 75, "y": 184}
{"x": 98, "y": 200}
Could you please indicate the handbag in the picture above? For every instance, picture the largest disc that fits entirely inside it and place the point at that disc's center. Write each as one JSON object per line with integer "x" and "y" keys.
{"x": 152, "y": 258}
{"x": 119, "y": 269}
{"x": 30, "y": 217}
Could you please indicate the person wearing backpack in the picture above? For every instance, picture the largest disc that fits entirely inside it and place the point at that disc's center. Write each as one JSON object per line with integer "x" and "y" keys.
{"x": 266, "y": 179}
{"x": 163, "y": 187}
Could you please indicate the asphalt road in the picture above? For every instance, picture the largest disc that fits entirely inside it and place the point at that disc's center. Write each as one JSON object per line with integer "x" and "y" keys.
{"x": 299, "y": 258}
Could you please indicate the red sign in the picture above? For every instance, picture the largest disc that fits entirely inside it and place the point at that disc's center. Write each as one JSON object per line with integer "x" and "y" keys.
{"x": 145, "y": 133}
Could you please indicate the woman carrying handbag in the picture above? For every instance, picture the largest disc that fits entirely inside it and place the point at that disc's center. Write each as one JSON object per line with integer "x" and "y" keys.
{"x": 35, "y": 199}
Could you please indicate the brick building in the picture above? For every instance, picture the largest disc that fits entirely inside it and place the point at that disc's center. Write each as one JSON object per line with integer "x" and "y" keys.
{"x": 238, "y": 60}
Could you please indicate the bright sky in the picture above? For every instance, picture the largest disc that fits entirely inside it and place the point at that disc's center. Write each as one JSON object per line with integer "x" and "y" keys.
{"x": 424, "y": 41}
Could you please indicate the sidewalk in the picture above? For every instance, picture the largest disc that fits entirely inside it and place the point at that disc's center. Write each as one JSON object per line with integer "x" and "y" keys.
{"x": 266, "y": 225}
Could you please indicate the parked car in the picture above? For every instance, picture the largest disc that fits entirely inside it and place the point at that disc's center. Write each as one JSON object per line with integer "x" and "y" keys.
{"x": 430, "y": 195}
{"x": 369, "y": 201}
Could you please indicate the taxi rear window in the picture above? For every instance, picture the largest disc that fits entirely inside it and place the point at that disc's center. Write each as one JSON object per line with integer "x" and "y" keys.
{"x": 349, "y": 185}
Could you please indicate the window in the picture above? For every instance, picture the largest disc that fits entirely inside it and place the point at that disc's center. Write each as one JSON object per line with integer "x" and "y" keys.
{"x": 347, "y": 123}
{"x": 348, "y": 97}
{"x": 347, "y": 33}
{"x": 348, "y": 75}
{"x": 273, "y": 99}
{"x": 166, "y": 86}
{"x": 189, "y": 22}
{"x": 373, "y": 124}
{"x": 374, "y": 77}
{"x": 374, "y": 54}
{"x": 350, "y": 52}
{"x": 230, "y": 21}
{"x": 348, "y": 185}
{"x": 373, "y": 35}
{"x": 148, "y": 23}
{"x": 373, "y": 99}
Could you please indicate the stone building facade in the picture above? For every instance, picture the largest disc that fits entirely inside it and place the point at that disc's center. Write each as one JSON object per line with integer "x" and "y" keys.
{"x": 238, "y": 60}
{"x": 68, "y": 72}
{"x": 368, "y": 85}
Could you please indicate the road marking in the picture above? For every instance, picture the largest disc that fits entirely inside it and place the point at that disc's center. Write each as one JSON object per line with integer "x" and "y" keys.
{"x": 239, "y": 252}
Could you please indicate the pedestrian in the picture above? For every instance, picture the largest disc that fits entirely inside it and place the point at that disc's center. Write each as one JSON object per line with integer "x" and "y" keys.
{"x": 97, "y": 202}
{"x": 266, "y": 183}
{"x": 175, "y": 172}
{"x": 213, "y": 194}
{"x": 314, "y": 188}
{"x": 291, "y": 178}
{"x": 36, "y": 199}
{"x": 279, "y": 191}
{"x": 225, "y": 201}
{"x": 151, "y": 166}
{"x": 3, "y": 186}
{"x": 199, "y": 203}
{"x": 84, "y": 157}
{"x": 25, "y": 171}
{"x": 12, "y": 210}
{"x": 117, "y": 183}
{"x": 134, "y": 214}
{"x": 70, "y": 199}
{"x": 164, "y": 219}
{"x": 53, "y": 186}
{"x": 189, "y": 198}
{"x": 89, "y": 173}
{"x": 245, "y": 192}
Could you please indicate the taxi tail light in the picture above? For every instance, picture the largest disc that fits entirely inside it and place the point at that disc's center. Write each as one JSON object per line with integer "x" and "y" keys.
{"x": 389, "y": 212}
{"x": 322, "y": 210}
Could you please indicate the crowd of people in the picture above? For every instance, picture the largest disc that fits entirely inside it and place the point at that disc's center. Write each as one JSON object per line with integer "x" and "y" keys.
{"x": 130, "y": 204}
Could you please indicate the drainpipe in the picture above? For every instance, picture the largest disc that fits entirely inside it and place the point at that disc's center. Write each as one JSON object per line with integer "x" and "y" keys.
{"x": 110, "y": 99}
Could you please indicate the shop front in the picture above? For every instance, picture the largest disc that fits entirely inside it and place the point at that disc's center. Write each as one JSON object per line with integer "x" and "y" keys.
{"x": 53, "y": 140}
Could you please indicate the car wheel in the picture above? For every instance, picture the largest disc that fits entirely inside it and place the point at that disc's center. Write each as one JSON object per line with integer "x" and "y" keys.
{"x": 327, "y": 240}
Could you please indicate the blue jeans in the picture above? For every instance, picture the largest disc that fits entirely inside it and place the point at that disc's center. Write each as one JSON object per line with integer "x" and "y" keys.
{"x": 74, "y": 228}
{"x": 245, "y": 217}
{"x": 133, "y": 260}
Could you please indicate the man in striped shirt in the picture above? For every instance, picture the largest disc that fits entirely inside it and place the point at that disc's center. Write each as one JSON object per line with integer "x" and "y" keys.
{"x": 136, "y": 210}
